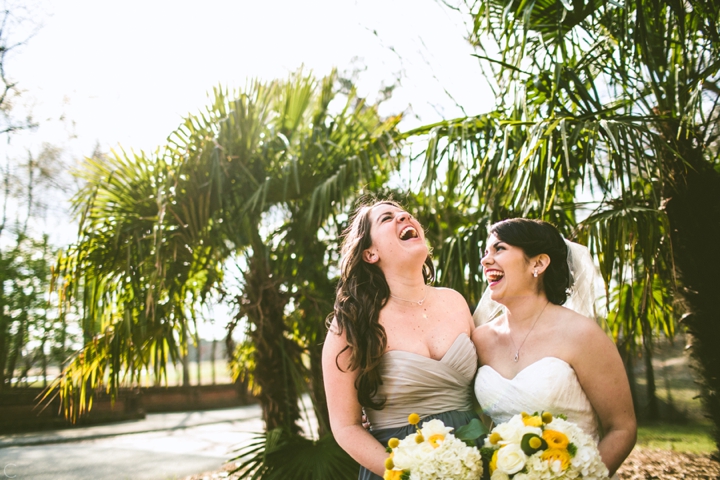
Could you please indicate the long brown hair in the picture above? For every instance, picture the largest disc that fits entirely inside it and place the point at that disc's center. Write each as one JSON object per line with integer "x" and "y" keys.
{"x": 361, "y": 293}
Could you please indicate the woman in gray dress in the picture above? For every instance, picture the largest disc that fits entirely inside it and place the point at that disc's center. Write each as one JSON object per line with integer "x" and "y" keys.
{"x": 395, "y": 345}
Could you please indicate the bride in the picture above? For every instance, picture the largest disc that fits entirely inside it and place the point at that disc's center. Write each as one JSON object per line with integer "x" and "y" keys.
{"x": 395, "y": 345}
{"x": 540, "y": 356}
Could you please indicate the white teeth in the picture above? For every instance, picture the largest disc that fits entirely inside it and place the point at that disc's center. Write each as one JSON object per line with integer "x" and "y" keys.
{"x": 408, "y": 232}
{"x": 494, "y": 275}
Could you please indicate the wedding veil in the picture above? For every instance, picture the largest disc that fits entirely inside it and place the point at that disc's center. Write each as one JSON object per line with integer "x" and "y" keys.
{"x": 582, "y": 297}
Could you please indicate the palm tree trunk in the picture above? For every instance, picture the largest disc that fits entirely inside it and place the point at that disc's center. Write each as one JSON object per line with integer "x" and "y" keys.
{"x": 653, "y": 412}
{"x": 275, "y": 355}
{"x": 693, "y": 209}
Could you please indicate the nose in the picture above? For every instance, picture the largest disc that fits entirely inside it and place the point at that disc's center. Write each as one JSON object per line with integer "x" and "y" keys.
{"x": 485, "y": 260}
{"x": 403, "y": 216}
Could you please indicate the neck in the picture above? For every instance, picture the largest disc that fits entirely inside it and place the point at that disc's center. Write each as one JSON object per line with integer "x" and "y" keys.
{"x": 408, "y": 287}
{"x": 524, "y": 310}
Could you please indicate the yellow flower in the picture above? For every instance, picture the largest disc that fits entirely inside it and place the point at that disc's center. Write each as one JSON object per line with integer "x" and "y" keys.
{"x": 436, "y": 440}
{"x": 495, "y": 438}
{"x": 393, "y": 442}
{"x": 532, "y": 421}
{"x": 547, "y": 417}
{"x": 389, "y": 464}
{"x": 493, "y": 462}
{"x": 555, "y": 439}
{"x": 413, "y": 419}
{"x": 535, "y": 443}
{"x": 554, "y": 454}
{"x": 392, "y": 475}
{"x": 419, "y": 438}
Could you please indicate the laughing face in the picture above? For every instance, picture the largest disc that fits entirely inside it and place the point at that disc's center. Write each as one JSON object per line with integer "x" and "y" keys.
{"x": 395, "y": 234}
{"x": 507, "y": 270}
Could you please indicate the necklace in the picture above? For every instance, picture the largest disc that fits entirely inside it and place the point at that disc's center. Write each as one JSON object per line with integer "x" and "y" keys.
{"x": 517, "y": 349}
{"x": 419, "y": 302}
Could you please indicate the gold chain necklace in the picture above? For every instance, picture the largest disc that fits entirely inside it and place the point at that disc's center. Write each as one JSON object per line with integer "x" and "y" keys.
{"x": 517, "y": 350}
{"x": 419, "y": 302}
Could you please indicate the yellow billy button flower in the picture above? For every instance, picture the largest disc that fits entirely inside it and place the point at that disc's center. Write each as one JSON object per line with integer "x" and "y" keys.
{"x": 535, "y": 442}
{"x": 557, "y": 454}
{"x": 419, "y": 438}
{"x": 413, "y": 419}
{"x": 389, "y": 464}
{"x": 532, "y": 421}
{"x": 555, "y": 439}
{"x": 547, "y": 417}
{"x": 495, "y": 438}
{"x": 393, "y": 442}
{"x": 436, "y": 440}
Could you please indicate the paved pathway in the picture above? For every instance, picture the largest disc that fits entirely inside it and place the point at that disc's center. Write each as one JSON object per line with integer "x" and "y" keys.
{"x": 162, "y": 446}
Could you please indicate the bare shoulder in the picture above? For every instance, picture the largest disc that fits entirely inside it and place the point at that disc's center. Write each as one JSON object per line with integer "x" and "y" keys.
{"x": 450, "y": 295}
{"x": 454, "y": 304}
{"x": 578, "y": 325}
{"x": 335, "y": 340}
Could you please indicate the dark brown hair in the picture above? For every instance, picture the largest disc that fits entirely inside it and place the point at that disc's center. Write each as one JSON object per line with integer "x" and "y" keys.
{"x": 361, "y": 293}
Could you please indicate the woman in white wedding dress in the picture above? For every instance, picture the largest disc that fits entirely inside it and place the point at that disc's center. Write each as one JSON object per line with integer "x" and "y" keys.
{"x": 537, "y": 355}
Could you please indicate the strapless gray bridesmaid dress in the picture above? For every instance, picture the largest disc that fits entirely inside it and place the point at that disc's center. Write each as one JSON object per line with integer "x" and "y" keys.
{"x": 434, "y": 389}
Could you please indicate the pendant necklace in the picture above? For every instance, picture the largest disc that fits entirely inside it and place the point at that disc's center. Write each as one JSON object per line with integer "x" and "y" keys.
{"x": 517, "y": 349}
{"x": 419, "y": 302}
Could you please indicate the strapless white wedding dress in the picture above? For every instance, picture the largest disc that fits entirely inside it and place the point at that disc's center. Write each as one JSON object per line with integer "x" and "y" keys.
{"x": 549, "y": 384}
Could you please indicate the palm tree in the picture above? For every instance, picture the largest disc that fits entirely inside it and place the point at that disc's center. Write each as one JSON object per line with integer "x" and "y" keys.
{"x": 262, "y": 175}
{"x": 606, "y": 124}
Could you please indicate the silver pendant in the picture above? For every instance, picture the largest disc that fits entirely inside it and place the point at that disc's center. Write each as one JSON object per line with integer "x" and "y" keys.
{"x": 517, "y": 355}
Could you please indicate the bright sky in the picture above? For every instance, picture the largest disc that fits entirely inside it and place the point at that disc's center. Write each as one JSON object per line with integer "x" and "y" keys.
{"x": 124, "y": 73}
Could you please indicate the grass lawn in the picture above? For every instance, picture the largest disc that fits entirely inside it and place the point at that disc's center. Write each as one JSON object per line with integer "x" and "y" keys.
{"x": 693, "y": 437}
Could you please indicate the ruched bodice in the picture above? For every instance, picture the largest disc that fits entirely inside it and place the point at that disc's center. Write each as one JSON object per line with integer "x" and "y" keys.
{"x": 414, "y": 383}
{"x": 550, "y": 385}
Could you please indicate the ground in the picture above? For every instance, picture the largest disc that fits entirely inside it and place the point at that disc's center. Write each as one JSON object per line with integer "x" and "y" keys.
{"x": 642, "y": 464}
{"x": 665, "y": 464}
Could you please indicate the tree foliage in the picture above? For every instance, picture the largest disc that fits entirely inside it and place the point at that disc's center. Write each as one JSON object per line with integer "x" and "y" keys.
{"x": 606, "y": 125}
{"x": 258, "y": 178}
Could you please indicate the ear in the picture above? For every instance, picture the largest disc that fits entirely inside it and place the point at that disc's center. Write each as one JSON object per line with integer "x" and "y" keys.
{"x": 370, "y": 256}
{"x": 541, "y": 262}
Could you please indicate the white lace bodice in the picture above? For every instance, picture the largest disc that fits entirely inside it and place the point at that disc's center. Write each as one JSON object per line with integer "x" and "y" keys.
{"x": 550, "y": 384}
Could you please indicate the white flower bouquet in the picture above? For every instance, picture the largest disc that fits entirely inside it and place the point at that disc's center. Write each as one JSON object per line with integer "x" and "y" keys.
{"x": 432, "y": 453}
{"x": 539, "y": 446}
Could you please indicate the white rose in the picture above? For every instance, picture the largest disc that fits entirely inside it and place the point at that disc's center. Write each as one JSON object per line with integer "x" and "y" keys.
{"x": 499, "y": 475}
{"x": 511, "y": 459}
{"x": 434, "y": 427}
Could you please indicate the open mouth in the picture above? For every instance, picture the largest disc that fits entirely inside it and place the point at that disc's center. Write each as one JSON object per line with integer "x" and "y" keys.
{"x": 494, "y": 276}
{"x": 408, "y": 232}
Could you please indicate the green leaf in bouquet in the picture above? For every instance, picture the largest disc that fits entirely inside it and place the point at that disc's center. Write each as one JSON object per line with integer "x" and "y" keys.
{"x": 471, "y": 432}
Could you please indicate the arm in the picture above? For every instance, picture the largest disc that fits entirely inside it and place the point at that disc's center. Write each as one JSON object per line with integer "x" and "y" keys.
{"x": 602, "y": 376}
{"x": 345, "y": 410}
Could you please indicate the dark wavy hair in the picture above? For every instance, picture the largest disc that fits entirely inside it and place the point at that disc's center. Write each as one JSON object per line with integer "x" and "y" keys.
{"x": 535, "y": 237}
{"x": 362, "y": 292}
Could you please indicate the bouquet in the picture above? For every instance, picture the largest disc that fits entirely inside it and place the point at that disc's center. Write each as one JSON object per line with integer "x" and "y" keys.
{"x": 433, "y": 453}
{"x": 540, "y": 446}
